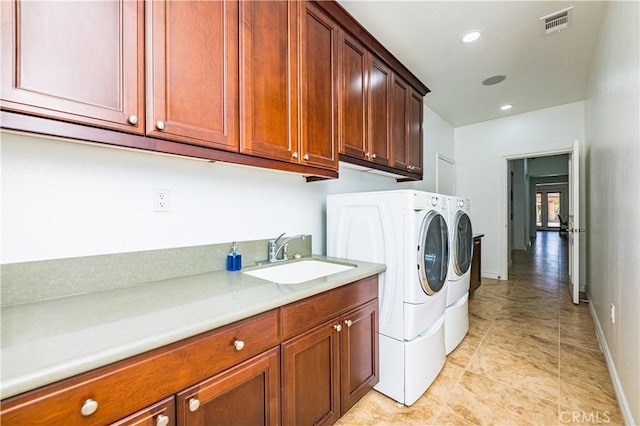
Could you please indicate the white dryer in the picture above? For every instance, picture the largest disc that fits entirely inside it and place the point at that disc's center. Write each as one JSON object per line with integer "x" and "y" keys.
{"x": 407, "y": 231}
{"x": 456, "y": 323}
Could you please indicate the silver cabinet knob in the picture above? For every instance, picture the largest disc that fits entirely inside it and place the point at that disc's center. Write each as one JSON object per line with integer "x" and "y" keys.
{"x": 305, "y": 157}
{"x": 162, "y": 420}
{"x": 239, "y": 345}
{"x": 133, "y": 119}
{"x": 367, "y": 154}
{"x": 294, "y": 155}
{"x": 338, "y": 327}
{"x": 160, "y": 125}
{"x": 349, "y": 323}
{"x": 194, "y": 404}
{"x": 89, "y": 407}
{"x": 373, "y": 156}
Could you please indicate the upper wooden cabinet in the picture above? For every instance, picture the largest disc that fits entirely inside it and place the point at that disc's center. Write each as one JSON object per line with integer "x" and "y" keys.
{"x": 288, "y": 80}
{"x": 379, "y": 114}
{"x": 192, "y": 72}
{"x": 319, "y": 87}
{"x": 268, "y": 79}
{"x": 86, "y": 67}
{"x": 366, "y": 90}
{"x": 406, "y": 126}
{"x": 354, "y": 78}
{"x": 290, "y": 85}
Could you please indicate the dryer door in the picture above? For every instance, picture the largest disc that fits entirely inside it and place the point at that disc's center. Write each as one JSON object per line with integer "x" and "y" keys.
{"x": 462, "y": 243}
{"x": 433, "y": 253}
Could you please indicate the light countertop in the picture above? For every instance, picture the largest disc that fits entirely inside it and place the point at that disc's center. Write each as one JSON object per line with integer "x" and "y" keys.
{"x": 47, "y": 341}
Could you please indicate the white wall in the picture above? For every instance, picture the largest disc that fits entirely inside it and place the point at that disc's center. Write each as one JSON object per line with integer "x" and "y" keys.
{"x": 438, "y": 140}
{"x": 613, "y": 163}
{"x": 481, "y": 151}
{"x": 64, "y": 199}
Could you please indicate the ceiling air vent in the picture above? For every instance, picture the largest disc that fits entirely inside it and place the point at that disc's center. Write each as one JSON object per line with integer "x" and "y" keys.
{"x": 556, "y": 21}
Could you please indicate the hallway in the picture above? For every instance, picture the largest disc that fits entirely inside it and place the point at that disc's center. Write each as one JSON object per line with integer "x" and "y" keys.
{"x": 531, "y": 357}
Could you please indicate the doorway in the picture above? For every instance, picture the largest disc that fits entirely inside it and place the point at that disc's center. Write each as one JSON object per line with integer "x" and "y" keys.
{"x": 551, "y": 206}
{"x": 537, "y": 194}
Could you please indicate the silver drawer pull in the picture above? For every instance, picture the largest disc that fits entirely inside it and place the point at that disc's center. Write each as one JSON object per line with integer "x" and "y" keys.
{"x": 338, "y": 327}
{"x": 349, "y": 323}
{"x": 89, "y": 407}
{"x": 133, "y": 119}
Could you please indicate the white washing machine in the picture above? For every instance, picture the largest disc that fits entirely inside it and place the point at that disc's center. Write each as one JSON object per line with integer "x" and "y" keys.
{"x": 456, "y": 322}
{"x": 407, "y": 231}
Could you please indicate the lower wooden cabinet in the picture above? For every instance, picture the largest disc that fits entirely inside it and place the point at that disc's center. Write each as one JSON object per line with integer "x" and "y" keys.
{"x": 248, "y": 394}
{"x": 329, "y": 368}
{"x": 324, "y": 350}
{"x": 475, "y": 279}
{"x": 359, "y": 351}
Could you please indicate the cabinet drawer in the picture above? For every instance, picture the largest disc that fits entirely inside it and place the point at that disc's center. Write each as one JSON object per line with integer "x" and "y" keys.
{"x": 302, "y": 315}
{"x": 128, "y": 386}
{"x": 162, "y": 413}
{"x": 247, "y": 394}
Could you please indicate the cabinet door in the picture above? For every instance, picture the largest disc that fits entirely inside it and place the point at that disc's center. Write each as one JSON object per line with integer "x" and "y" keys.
{"x": 353, "y": 92}
{"x": 193, "y": 72}
{"x": 318, "y": 72}
{"x": 248, "y": 394}
{"x": 359, "y": 351}
{"x": 379, "y": 97}
{"x": 75, "y": 61}
{"x": 311, "y": 377}
{"x": 415, "y": 132}
{"x": 161, "y": 414}
{"x": 399, "y": 123}
{"x": 268, "y": 79}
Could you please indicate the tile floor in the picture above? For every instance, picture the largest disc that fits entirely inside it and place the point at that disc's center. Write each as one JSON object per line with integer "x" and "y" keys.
{"x": 531, "y": 357}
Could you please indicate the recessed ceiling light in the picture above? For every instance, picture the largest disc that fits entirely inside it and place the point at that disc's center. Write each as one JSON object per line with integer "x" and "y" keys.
{"x": 494, "y": 80}
{"x": 471, "y": 36}
{"x": 506, "y": 107}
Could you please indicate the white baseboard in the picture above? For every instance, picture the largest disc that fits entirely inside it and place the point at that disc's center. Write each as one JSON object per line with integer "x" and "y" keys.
{"x": 491, "y": 275}
{"x": 617, "y": 386}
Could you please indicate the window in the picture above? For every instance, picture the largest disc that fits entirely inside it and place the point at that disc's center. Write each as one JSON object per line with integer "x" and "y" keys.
{"x": 553, "y": 209}
{"x": 548, "y": 207}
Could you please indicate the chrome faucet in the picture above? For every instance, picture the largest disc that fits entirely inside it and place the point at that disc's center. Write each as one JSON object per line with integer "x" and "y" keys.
{"x": 274, "y": 248}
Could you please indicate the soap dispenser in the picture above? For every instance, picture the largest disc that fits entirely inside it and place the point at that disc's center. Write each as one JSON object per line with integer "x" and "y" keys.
{"x": 234, "y": 260}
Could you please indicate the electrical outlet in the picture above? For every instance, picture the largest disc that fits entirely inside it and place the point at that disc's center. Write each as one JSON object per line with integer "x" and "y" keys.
{"x": 160, "y": 200}
{"x": 613, "y": 313}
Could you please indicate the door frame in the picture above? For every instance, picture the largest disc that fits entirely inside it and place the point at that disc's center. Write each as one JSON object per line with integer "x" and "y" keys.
{"x": 504, "y": 238}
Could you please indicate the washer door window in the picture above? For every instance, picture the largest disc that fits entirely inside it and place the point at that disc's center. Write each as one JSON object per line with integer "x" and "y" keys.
{"x": 463, "y": 243}
{"x": 433, "y": 253}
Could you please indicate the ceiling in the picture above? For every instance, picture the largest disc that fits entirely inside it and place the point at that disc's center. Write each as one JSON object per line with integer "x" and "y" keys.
{"x": 542, "y": 70}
